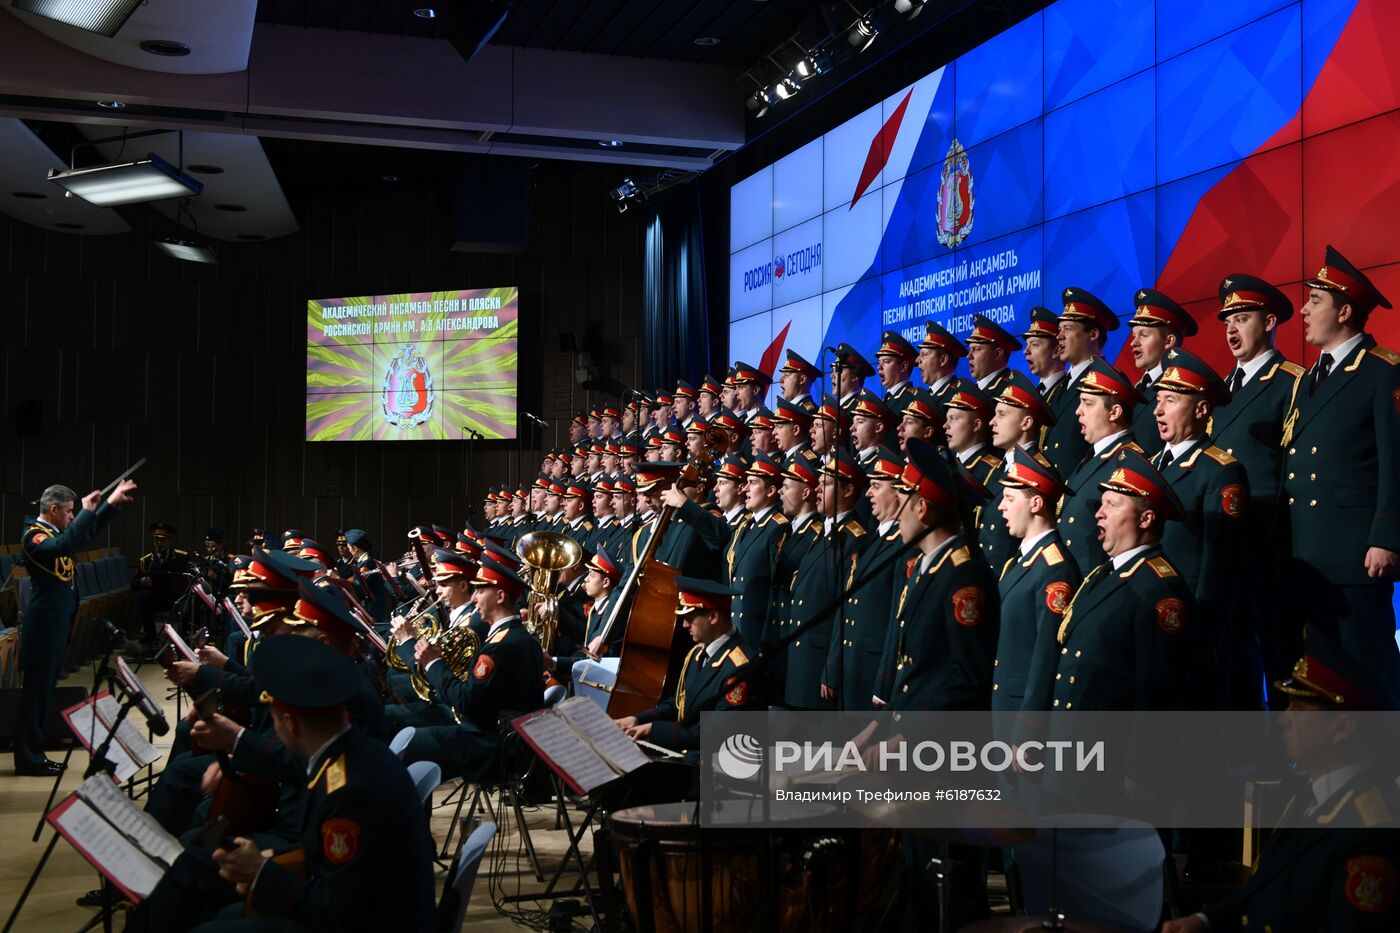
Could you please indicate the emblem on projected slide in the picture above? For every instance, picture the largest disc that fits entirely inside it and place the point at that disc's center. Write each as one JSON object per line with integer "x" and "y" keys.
{"x": 955, "y": 197}
{"x": 407, "y": 396}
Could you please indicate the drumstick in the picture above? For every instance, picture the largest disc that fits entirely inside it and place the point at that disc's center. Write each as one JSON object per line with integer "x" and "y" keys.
{"x": 117, "y": 482}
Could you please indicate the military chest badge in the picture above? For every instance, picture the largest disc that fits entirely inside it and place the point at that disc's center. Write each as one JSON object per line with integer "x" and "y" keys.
{"x": 955, "y": 198}
{"x": 407, "y": 394}
{"x": 1057, "y": 596}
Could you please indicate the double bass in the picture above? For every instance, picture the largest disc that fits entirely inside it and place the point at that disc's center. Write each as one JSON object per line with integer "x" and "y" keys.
{"x": 654, "y": 644}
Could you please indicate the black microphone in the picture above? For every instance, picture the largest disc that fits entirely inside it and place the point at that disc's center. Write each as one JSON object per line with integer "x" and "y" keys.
{"x": 155, "y": 717}
{"x": 540, "y": 422}
{"x": 473, "y": 433}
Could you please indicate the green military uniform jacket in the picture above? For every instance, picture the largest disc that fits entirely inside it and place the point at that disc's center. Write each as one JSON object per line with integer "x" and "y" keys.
{"x": 1077, "y": 526}
{"x": 580, "y": 529}
{"x": 1342, "y": 875}
{"x": 897, "y": 400}
{"x": 1145, "y": 420}
{"x": 1123, "y": 638}
{"x": 508, "y": 674}
{"x": 750, "y": 558}
{"x": 795, "y": 549}
{"x": 983, "y": 461}
{"x": 358, "y": 845}
{"x": 680, "y": 547}
{"x": 944, "y": 632}
{"x": 1342, "y": 469}
{"x": 705, "y": 686}
{"x": 1206, "y": 544}
{"x": 48, "y": 554}
{"x": 1063, "y": 442}
{"x": 1035, "y": 590}
{"x": 1250, "y": 429}
{"x": 815, "y": 584}
{"x": 853, "y": 659}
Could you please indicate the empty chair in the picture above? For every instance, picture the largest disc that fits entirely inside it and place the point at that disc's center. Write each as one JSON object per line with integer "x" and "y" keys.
{"x": 1112, "y": 877}
{"x": 399, "y": 742}
{"x": 452, "y": 910}
{"x": 427, "y": 775}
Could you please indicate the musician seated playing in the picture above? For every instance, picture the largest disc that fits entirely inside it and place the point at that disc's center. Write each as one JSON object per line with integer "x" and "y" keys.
{"x": 506, "y": 676}
{"x": 594, "y": 676}
{"x": 452, "y": 582}
{"x": 711, "y": 678}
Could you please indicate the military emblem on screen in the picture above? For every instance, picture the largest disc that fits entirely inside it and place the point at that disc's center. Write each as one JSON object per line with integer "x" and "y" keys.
{"x": 955, "y": 197}
{"x": 407, "y": 396}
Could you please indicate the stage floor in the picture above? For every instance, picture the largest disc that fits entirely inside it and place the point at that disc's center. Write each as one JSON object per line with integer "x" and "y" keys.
{"x": 51, "y": 905}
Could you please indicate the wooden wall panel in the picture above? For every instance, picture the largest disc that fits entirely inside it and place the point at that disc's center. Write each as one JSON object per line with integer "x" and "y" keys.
{"x": 202, "y": 369}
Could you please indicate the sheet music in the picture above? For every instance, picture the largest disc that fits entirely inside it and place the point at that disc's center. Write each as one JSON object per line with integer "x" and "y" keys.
{"x": 91, "y": 730}
{"x": 602, "y": 734}
{"x": 180, "y": 645}
{"x": 237, "y": 618}
{"x": 205, "y": 595}
{"x": 108, "y": 851}
{"x": 128, "y": 734}
{"x": 131, "y": 821}
{"x": 559, "y": 742}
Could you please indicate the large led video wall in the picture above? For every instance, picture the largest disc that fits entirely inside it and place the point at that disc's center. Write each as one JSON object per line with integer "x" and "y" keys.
{"x": 1106, "y": 144}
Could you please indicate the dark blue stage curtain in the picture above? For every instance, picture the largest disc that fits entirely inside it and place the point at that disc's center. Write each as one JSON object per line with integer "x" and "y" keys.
{"x": 676, "y": 314}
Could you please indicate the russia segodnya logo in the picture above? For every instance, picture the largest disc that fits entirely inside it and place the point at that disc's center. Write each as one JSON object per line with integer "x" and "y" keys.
{"x": 955, "y": 198}
{"x": 407, "y": 395}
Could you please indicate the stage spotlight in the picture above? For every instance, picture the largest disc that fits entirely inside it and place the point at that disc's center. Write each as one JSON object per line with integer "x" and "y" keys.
{"x": 863, "y": 34}
{"x": 912, "y": 7}
{"x": 103, "y": 17}
{"x": 785, "y": 88}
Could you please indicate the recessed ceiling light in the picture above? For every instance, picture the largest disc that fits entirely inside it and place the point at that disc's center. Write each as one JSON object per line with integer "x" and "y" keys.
{"x": 389, "y": 178}
{"x": 202, "y": 169}
{"x": 68, "y": 226}
{"x": 425, "y": 12}
{"x": 111, "y": 104}
{"x": 230, "y": 208}
{"x": 707, "y": 40}
{"x": 185, "y": 250}
{"x": 28, "y": 195}
{"x": 252, "y": 237}
{"x": 610, "y": 143}
{"x": 167, "y": 47}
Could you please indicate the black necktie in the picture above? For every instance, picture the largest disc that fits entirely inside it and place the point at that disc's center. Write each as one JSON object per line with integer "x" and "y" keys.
{"x": 1144, "y": 382}
{"x": 1320, "y": 371}
{"x": 1236, "y": 380}
{"x": 1040, "y": 387}
{"x": 1167, "y": 458}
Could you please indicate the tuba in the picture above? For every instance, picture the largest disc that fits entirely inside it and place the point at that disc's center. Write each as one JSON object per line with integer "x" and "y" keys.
{"x": 546, "y": 554}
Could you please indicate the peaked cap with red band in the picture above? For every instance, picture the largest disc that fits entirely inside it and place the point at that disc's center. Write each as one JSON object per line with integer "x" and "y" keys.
{"x": 1240, "y": 292}
{"x": 1340, "y": 276}
{"x": 1154, "y": 309}
{"x": 1086, "y": 308}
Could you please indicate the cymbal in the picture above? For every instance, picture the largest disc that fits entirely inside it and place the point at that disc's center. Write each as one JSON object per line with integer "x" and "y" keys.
{"x": 1033, "y": 925}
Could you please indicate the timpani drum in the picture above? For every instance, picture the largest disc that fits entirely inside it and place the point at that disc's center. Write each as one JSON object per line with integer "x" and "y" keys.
{"x": 679, "y": 877}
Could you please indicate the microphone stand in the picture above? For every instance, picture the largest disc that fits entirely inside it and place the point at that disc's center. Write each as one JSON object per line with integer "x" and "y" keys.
{"x": 97, "y": 762}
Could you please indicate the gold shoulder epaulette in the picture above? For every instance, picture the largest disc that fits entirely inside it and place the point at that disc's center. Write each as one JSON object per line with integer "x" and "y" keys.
{"x": 961, "y": 555}
{"x": 336, "y": 778}
{"x": 1218, "y": 455}
{"x": 1390, "y": 356}
{"x": 1052, "y": 554}
{"x": 780, "y": 518}
{"x": 856, "y": 529}
{"x": 736, "y": 654}
{"x": 989, "y": 459}
{"x": 1370, "y": 806}
{"x": 1162, "y": 567}
{"x": 1133, "y": 445}
{"x": 498, "y": 637}
{"x": 1292, "y": 368}
{"x": 1044, "y": 460}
